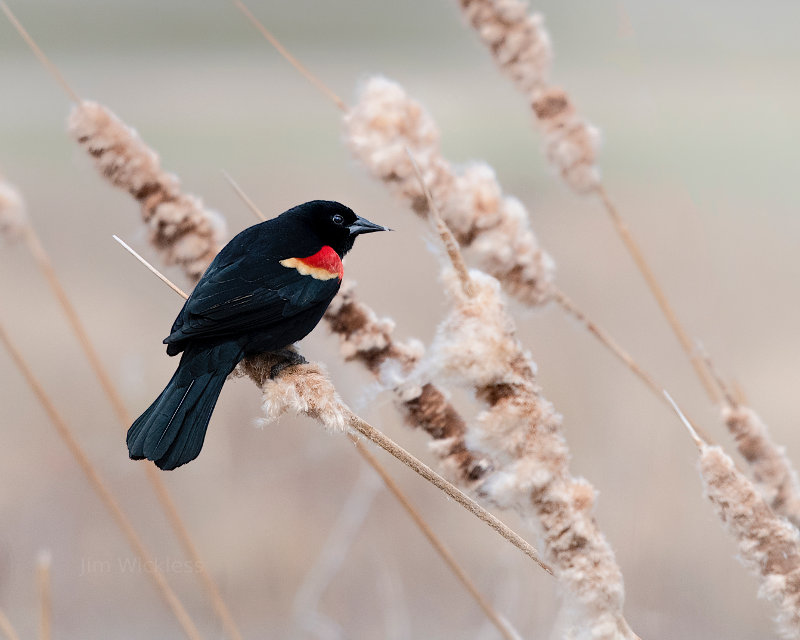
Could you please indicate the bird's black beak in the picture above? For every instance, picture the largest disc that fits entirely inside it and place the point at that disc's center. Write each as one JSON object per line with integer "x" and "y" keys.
{"x": 362, "y": 225}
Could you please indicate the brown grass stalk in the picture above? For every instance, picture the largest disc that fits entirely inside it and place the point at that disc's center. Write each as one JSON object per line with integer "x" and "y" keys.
{"x": 308, "y": 390}
{"x": 101, "y": 488}
{"x": 159, "y": 195}
{"x": 166, "y": 501}
{"x": 521, "y": 434}
{"x": 6, "y": 628}
{"x": 768, "y": 545}
{"x": 571, "y": 142}
{"x": 43, "y": 580}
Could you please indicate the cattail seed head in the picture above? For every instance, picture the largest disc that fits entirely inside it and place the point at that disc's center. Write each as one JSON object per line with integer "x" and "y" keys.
{"x": 303, "y": 388}
{"x": 519, "y": 43}
{"x": 521, "y": 47}
{"x": 520, "y": 438}
{"x": 772, "y": 471}
{"x": 495, "y": 228}
{"x": 768, "y": 545}
{"x": 188, "y": 234}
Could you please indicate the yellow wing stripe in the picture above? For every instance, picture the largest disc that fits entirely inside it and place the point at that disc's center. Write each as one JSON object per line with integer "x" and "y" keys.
{"x": 318, "y": 273}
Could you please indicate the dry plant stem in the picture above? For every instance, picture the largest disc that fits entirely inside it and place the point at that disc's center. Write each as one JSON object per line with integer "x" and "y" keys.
{"x": 358, "y": 424}
{"x": 43, "y": 565}
{"x": 288, "y": 56}
{"x": 244, "y": 197}
{"x": 658, "y": 293}
{"x": 151, "y": 268}
{"x": 372, "y": 434}
{"x": 102, "y": 490}
{"x": 501, "y": 624}
{"x": 165, "y": 499}
{"x": 6, "y": 628}
{"x": 569, "y": 307}
{"x": 449, "y": 242}
{"x": 39, "y": 53}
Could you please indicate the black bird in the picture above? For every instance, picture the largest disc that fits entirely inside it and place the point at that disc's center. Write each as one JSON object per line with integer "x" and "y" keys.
{"x": 267, "y": 288}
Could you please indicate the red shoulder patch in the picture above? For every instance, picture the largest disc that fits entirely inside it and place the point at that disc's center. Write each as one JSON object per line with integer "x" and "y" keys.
{"x": 325, "y": 264}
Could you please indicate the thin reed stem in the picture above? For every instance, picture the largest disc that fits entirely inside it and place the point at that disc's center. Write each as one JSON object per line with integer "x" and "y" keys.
{"x": 494, "y": 617}
{"x": 43, "y": 580}
{"x": 658, "y": 292}
{"x": 6, "y": 628}
{"x": 289, "y": 57}
{"x": 99, "y": 485}
{"x": 152, "y": 269}
{"x": 386, "y": 443}
{"x": 569, "y": 307}
{"x": 40, "y": 55}
{"x": 449, "y": 242}
{"x": 244, "y": 197}
{"x": 168, "y": 505}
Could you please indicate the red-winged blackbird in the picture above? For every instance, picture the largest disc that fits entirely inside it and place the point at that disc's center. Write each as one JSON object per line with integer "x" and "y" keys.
{"x": 266, "y": 289}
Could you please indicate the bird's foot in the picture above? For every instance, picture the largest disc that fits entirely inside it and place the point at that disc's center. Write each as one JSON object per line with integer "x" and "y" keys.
{"x": 287, "y": 358}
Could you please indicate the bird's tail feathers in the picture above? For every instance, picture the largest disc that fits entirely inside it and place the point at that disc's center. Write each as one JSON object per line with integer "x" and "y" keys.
{"x": 171, "y": 431}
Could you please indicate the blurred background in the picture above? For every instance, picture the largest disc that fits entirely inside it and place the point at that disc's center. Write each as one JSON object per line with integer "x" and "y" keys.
{"x": 697, "y": 103}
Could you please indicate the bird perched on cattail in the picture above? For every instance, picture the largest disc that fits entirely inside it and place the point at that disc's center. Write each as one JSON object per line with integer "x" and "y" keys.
{"x": 266, "y": 289}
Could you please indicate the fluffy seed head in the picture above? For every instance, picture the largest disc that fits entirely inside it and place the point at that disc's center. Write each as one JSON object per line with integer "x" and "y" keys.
{"x": 186, "y": 232}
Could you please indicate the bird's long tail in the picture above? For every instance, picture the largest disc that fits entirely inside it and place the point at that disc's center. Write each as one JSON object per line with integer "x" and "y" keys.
{"x": 172, "y": 430}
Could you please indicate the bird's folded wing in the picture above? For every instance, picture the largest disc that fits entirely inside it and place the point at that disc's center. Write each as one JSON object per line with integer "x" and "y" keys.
{"x": 229, "y": 306}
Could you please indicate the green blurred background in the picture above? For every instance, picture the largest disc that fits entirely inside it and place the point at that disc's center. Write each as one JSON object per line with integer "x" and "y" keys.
{"x": 697, "y": 103}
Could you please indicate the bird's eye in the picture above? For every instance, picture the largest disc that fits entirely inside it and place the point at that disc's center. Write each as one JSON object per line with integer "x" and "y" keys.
{"x": 337, "y": 219}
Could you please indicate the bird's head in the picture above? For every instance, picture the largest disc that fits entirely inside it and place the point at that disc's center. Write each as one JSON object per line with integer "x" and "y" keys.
{"x": 334, "y": 224}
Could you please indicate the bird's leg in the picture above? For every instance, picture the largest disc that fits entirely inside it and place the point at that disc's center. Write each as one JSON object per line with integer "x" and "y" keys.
{"x": 287, "y": 357}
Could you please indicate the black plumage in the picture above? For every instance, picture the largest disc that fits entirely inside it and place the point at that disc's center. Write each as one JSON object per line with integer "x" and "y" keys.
{"x": 266, "y": 289}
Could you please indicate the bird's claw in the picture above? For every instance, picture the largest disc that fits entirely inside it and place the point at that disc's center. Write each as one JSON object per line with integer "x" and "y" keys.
{"x": 288, "y": 358}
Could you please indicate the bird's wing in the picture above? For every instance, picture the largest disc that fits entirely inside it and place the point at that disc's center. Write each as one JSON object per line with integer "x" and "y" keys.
{"x": 234, "y": 298}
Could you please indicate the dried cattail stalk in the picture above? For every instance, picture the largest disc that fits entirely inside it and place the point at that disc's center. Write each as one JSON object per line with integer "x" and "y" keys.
{"x": 494, "y": 228}
{"x": 185, "y": 232}
{"x": 520, "y": 433}
{"x": 571, "y": 142}
{"x": 768, "y": 545}
{"x": 13, "y": 219}
{"x": 771, "y": 470}
{"x": 518, "y": 41}
{"x": 520, "y": 46}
